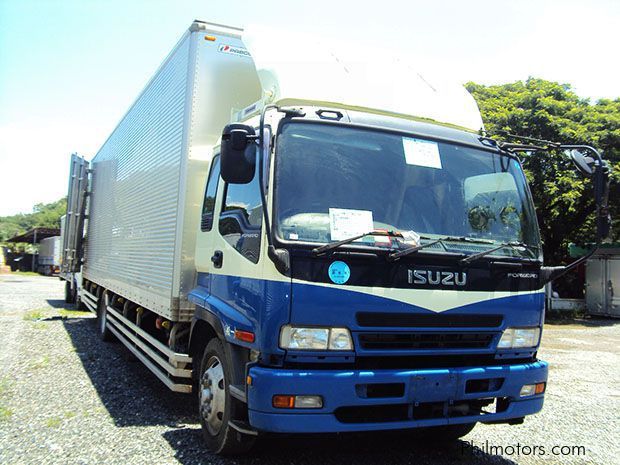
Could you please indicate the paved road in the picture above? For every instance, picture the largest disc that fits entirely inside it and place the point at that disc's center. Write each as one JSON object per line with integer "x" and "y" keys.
{"x": 66, "y": 398}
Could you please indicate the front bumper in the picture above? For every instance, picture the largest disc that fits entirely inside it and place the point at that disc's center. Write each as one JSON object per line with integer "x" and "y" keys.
{"x": 346, "y": 391}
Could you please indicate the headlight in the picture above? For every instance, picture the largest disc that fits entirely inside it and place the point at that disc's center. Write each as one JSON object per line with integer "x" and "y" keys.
{"x": 517, "y": 338}
{"x": 292, "y": 337}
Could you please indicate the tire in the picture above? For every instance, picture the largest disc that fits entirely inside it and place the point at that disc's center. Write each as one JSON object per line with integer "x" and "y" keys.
{"x": 216, "y": 407}
{"x": 80, "y": 306}
{"x": 443, "y": 434}
{"x": 102, "y": 316}
{"x": 69, "y": 294}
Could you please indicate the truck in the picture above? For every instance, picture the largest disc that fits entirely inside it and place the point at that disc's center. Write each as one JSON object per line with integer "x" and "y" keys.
{"x": 310, "y": 245}
{"x": 48, "y": 262}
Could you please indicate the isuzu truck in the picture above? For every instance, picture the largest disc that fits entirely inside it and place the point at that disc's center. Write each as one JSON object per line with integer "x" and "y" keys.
{"x": 314, "y": 245}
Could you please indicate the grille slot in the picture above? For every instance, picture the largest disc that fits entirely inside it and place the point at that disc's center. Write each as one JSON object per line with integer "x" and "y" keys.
{"x": 411, "y": 320}
{"x": 452, "y": 340}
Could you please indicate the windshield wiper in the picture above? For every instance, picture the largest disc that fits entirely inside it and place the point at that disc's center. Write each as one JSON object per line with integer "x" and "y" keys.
{"x": 403, "y": 253}
{"x": 334, "y": 245}
{"x": 513, "y": 245}
{"x": 396, "y": 255}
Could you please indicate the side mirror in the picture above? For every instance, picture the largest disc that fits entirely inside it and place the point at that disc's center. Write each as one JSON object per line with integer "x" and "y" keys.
{"x": 238, "y": 153}
{"x": 584, "y": 164}
{"x": 595, "y": 167}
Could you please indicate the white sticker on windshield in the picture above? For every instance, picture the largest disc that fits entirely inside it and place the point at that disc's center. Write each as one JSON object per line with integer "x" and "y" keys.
{"x": 344, "y": 223}
{"x": 421, "y": 153}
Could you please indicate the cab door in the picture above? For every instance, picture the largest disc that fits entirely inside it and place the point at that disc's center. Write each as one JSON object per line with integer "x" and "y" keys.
{"x": 228, "y": 257}
{"x": 206, "y": 234}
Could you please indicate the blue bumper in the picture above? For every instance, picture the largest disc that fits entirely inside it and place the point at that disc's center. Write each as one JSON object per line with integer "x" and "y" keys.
{"x": 343, "y": 390}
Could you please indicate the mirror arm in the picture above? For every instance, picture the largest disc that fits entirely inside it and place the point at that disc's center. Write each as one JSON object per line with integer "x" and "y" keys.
{"x": 279, "y": 257}
{"x": 261, "y": 174}
{"x": 550, "y": 273}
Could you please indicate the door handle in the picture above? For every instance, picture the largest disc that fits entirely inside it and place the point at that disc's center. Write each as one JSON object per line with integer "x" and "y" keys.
{"x": 217, "y": 258}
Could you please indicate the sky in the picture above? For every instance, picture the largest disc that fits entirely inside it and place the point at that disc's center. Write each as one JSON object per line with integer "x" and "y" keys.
{"x": 70, "y": 69}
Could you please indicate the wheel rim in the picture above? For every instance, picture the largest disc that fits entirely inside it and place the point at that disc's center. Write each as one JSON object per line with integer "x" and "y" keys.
{"x": 213, "y": 396}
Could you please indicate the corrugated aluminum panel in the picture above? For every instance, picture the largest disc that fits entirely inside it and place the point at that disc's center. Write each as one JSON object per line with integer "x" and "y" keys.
{"x": 149, "y": 177}
{"x": 130, "y": 247}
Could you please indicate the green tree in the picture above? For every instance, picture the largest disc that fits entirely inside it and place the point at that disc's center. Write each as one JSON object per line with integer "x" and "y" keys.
{"x": 552, "y": 111}
{"x": 43, "y": 216}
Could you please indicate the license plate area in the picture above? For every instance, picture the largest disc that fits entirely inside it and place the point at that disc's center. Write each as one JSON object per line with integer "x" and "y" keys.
{"x": 436, "y": 388}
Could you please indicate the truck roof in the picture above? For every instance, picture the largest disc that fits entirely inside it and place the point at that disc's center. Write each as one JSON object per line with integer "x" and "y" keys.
{"x": 308, "y": 72}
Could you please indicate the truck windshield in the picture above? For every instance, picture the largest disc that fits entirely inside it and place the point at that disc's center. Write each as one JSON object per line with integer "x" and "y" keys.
{"x": 336, "y": 180}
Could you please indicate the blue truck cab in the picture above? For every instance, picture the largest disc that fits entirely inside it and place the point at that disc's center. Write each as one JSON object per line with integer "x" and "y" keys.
{"x": 364, "y": 272}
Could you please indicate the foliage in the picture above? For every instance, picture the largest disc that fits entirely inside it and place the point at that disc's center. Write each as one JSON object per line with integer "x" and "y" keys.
{"x": 42, "y": 216}
{"x": 552, "y": 111}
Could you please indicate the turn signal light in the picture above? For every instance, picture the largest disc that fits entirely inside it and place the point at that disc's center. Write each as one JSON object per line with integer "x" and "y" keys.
{"x": 284, "y": 401}
{"x": 244, "y": 336}
{"x": 532, "y": 389}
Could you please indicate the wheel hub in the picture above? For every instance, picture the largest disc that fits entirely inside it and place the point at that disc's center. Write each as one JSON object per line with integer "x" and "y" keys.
{"x": 213, "y": 396}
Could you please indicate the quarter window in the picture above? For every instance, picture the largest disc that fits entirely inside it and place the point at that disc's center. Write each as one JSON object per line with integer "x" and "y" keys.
{"x": 208, "y": 206}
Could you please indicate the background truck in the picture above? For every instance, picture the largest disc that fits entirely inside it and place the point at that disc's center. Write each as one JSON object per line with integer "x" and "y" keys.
{"x": 312, "y": 245}
{"x": 49, "y": 256}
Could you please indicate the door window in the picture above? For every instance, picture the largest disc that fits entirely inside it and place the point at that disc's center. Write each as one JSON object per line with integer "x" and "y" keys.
{"x": 242, "y": 217}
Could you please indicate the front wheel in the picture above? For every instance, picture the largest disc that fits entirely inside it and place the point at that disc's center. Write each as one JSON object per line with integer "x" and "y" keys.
{"x": 216, "y": 407}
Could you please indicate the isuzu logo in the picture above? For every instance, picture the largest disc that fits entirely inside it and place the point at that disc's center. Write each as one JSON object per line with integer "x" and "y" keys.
{"x": 437, "y": 278}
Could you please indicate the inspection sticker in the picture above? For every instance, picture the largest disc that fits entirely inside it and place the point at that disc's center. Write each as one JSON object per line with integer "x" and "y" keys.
{"x": 421, "y": 153}
{"x": 339, "y": 272}
{"x": 344, "y": 223}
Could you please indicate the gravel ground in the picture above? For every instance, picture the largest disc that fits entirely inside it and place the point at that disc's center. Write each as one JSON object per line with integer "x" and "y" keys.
{"x": 66, "y": 397}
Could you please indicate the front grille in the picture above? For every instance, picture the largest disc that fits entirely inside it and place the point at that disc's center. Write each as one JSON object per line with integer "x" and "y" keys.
{"x": 404, "y": 341}
{"x": 421, "y": 320}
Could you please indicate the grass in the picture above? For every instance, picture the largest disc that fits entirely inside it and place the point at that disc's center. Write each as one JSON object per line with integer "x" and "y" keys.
{"x": 25, "y": 273}
{"x": 53, "y": 422}
{"x": 5, "y": 413}
{"x": 39, "y": 363}
{"x": 33, "y": 315}
{"x": 66, "y": 313}
{"x": 5, "y": 385}
{"x": 70, "y": 414}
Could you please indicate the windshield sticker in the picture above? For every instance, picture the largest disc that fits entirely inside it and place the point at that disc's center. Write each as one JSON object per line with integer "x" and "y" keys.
{"x": 421, "y": 153}
{"x": 411, "y": 238}
{"x": 339, "y": 272}
{"x": 344, "y": 223}
{"x": 293, "y": 236}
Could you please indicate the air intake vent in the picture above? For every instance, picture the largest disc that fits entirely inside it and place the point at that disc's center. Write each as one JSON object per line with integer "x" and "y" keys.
{"x": 413, "y": 320}
{"x": 399, "y": 341}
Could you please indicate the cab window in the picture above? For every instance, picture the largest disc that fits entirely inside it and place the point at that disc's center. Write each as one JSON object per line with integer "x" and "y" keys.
{"x": 241, "y": 218}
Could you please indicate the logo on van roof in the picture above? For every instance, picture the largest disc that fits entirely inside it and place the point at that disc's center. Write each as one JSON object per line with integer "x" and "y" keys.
{"x": 240, "y": 51}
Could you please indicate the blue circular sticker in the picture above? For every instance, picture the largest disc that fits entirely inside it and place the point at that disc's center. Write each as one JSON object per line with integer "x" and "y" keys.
{"x": 339, "y": 272}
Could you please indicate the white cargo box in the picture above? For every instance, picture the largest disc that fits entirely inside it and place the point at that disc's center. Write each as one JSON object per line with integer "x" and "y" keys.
{"x": 49, "y": 251}
{"x": 148, "y": 178}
